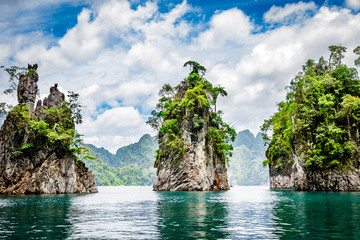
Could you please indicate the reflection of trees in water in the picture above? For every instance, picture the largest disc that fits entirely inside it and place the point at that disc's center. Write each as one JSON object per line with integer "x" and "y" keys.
{"x": 191, "y": 215}
{"x": 35, "y": 217}
{"x": 316, "y": 215}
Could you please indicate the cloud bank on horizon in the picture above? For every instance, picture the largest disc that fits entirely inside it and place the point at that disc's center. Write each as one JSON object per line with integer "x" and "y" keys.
{"x": 117, "y": 54}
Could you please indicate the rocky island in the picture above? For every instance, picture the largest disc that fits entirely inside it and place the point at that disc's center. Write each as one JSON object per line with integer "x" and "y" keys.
{"x": 194, "y": 142}
{"x": 315, "y": 143}
{"x": 36, "y": 152}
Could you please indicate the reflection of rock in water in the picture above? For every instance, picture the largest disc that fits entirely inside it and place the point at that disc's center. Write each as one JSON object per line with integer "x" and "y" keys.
{"x": 192, "y": 215}
{"x": 322, "y": 215}
{"x": 35, "y": 217}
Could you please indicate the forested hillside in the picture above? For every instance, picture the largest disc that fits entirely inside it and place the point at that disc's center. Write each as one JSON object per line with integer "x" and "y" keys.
{"x": 246, "y": 163}
{"x": 134, "y": 164}
{"x": 131, "y": 165}
{"x": 134, "y": 155}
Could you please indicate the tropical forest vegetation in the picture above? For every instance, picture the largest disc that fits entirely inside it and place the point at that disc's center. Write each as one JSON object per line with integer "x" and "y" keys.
{"x": 192, "y": 103}
{"x": 319, "y": 119}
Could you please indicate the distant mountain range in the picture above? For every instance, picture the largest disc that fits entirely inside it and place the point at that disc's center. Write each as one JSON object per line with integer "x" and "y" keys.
{"x": 133, "y": 155}
{"x": 246, "y": 163}
{"x": 133, "y": 164}
{"x": 130, "y": 165}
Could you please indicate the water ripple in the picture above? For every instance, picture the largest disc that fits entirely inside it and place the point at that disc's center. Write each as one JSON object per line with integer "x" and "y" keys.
{"x": 140, "y": 213}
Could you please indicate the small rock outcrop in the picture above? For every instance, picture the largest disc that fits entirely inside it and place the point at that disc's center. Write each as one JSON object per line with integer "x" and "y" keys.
{"x": 34, "y": 146}
{"x": 294, "y": 176}
{"x": 193, "y": 139}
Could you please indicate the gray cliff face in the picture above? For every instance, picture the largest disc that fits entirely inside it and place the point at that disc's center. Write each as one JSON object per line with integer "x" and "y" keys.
{"x": 198, "y": 168}
{"x": 316, "y": 181}
{"x": 330, "y": 181}
{"x": 45, "y": 173}
{"x": 44, "y": 170}
{"x": 55, "y": 98}
{"x": 281, "y": 179}
{"x": 294, "y": 176}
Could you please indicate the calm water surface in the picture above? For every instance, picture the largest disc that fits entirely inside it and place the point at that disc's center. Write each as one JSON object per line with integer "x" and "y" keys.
{"x": 140, "y": 213}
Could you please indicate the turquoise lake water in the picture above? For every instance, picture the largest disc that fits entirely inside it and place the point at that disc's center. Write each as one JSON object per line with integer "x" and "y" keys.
{"x": 140, "y": 213}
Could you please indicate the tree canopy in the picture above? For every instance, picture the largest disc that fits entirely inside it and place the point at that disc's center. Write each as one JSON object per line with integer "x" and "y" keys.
{"x": 192, "y": 101}
{"x": 319, "y": 121}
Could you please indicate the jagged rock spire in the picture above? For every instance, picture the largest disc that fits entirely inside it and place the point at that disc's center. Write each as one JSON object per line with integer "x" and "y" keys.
{"x": 27, "y": 88}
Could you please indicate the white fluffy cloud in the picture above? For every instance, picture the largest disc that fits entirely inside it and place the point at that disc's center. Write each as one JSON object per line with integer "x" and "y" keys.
{"x": 5, "y": 52}
{"x": 231, "y": 26}
{"x": 259, "y": 78}
{"x": 354, "y": 4}
{"x": 105, "y": 128}
{"x": 290, "y": 12}
{"x": 118, "y": 57}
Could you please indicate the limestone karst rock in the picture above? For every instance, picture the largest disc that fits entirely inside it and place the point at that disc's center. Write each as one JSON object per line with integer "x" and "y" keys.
{"x": 55, "y": 98}
{"x": 295, "y": 176}
{"x": 192, "y": 138}
{"x": 33, "y": 159}
{"x": 314, "y": 143}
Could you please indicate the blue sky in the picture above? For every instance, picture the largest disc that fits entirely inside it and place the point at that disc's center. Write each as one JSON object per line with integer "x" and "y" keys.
{"x": 118, "y": 53}
{"x": 55, "y": 18}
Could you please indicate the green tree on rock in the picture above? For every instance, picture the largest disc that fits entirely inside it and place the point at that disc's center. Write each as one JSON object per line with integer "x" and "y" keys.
{"x": 191, "y": 107}
{"x": 319, "y": 120}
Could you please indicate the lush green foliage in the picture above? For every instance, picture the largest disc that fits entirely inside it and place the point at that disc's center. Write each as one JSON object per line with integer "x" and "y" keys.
{"x": 16, "y": 72}
{"x": 319, "y": 120}
{"x": 56, "y": 128}
{"x": 193, "y": 102}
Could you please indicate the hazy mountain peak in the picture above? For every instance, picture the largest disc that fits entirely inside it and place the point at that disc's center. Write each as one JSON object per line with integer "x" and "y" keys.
{"x": 248, "y": 139}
